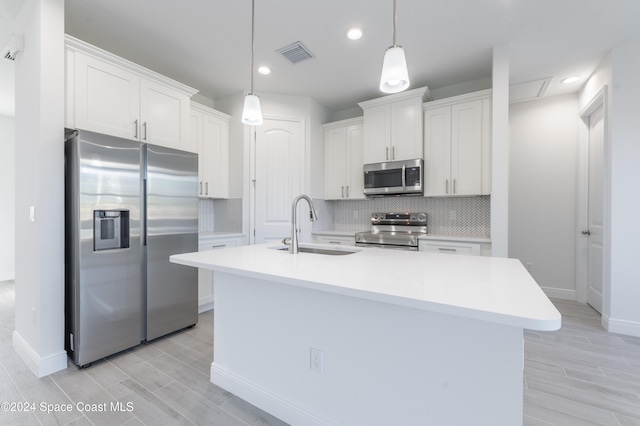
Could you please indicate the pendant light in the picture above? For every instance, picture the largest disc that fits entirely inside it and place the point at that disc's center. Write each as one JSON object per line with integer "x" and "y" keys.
{"x": 395, "y": 77}
{"x": 252, "y": 113}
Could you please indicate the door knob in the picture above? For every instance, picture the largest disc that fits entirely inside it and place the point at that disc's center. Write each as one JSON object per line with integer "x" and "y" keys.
{"x": 587, "y": 232}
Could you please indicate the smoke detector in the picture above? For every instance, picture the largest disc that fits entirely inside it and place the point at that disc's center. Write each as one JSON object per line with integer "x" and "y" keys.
{"x": 13, "y": 47}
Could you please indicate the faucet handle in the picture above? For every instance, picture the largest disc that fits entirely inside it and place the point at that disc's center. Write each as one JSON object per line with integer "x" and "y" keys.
{"x": 286, "y": 241}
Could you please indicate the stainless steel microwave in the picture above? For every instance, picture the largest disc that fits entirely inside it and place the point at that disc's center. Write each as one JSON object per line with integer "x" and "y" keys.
{"x": 393, "y": 178}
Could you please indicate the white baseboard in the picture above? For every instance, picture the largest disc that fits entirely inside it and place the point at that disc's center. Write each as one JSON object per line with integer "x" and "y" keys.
{"x": 559, "y": 293}
{"x": 205, "y": 307}
{"x": 629, "y": 328}
{"x": 40, "y": 366}
{"x": 280, "y": 407}
{"x": 7, "y": 274}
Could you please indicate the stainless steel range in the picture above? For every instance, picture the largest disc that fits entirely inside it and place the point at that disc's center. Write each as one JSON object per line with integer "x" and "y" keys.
{"x": 398, "y": 231}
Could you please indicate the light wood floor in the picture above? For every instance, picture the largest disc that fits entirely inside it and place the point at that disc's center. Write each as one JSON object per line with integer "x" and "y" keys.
{"x": 579, "y": 375}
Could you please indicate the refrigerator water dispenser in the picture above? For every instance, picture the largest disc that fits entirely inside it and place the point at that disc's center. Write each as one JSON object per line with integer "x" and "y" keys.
{"x": 110, "y": 229}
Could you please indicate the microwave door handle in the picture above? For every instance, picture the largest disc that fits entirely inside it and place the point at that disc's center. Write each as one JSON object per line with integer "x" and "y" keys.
{"x": 404, "y": 178}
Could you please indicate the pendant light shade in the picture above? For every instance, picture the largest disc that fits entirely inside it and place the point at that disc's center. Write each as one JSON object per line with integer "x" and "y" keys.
{"x": 395, "y": 77}
{"x": 252, "y": 113}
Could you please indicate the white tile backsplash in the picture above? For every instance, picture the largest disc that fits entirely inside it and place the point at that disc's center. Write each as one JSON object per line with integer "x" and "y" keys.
{"x": 462, "y": 217}
{"x": 220, "y": 215}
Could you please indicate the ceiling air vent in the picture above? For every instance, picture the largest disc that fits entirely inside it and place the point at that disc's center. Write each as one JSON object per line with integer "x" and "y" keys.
{"x": 295, "y": 52}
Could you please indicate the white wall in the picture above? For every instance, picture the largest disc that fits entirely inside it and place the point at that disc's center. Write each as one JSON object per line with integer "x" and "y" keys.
{"x": 543, "y": 146}
{"x": 624, "y": 314}
{"x": 7, "y": 195}
{"x": 39, "y": 123}
{"x": 500, "y": 152}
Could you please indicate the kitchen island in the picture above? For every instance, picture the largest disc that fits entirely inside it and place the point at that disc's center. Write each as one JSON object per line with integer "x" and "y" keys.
{"x": 374, "y": 337}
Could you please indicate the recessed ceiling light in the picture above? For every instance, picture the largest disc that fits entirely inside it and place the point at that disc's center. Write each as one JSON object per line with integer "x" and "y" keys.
{"x": 570, "y": 80}
{"x": 264, "y": 70}
{"x": 354, "y": 33}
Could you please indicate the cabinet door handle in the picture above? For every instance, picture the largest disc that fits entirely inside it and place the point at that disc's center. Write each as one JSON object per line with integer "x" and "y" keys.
{"x": 200, "y": 187}
{"x": 393, "y": 152}
{"x": 347, "y": 191}
{"x": 218, "y": 246}
{"x": 342, "y": 191}
{"x": 448, "y": 250}
{"x": 145, "y": 130}
{"x": 135, "y": 125}
{"x": 387, "y": 148}
{"x": 454, "y": 186}
{"x": 446, "y": 186}
{"x": 334, "y": 242}
{"x": 206, "y": 188}
{"x": 586, "y": 232}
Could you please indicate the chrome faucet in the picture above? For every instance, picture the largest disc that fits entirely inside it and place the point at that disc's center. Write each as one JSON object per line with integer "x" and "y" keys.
{"x": 293, "y": 240}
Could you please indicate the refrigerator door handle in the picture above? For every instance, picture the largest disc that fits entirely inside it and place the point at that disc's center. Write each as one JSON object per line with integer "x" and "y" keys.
{"x": 143, "y": 216}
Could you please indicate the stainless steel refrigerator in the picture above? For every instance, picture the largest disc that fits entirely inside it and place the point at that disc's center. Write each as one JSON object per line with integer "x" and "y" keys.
{"x": 129, "y": 206}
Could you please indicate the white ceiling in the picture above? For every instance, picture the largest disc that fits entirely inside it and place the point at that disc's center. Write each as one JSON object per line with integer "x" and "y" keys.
{"x": 206, "y": 43}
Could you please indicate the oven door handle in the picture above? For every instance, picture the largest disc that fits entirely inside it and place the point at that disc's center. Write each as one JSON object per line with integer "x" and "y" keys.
{"x": 404, "y": 177}
{"x": 388, "y": 246}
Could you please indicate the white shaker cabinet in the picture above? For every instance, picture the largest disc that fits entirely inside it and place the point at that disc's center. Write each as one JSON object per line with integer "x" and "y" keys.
{"x": 110, "y": 95}
{"x": 336, "y": 240}
{"x": 455, "y": 245}
{"x": 209, "y": 131}
{"x": 205, "y": 276}
{"x": 457, "y": 147}
{"x": 393, "y": 126}
{"x": 344, "y": 178}
{"x": 107, "y": 98}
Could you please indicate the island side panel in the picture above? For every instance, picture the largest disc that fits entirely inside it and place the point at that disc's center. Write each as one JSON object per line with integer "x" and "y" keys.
{"x": 382, "y": 363}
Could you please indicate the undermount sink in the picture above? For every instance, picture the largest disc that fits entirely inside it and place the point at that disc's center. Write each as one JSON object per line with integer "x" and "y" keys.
{"x": 320, "y": 250}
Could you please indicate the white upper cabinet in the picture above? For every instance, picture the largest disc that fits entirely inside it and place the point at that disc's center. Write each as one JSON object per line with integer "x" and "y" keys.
{"x": 107, "y": 94}
{"x": 107, "y": 98}
{"x": 344, "y": 177}
{"x": 457, "y": 146}
{"x": 393, "y": 126}
{"x": 209, "y": 131}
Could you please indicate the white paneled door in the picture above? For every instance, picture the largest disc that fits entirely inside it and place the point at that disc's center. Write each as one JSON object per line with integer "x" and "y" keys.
{"x": 279, "y": 161}
{"x": 595, "y": 273}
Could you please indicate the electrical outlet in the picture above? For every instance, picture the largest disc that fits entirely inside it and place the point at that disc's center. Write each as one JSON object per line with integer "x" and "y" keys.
{"x": 317, "y": 360}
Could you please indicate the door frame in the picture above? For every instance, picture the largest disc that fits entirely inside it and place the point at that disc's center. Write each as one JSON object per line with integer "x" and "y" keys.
{"x": 601, "y": 99}
{"x": 250, "y": 160}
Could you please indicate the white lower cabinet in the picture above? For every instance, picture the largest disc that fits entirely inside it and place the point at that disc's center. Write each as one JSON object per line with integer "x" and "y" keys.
{"x": 455, "y": 247}
{"x": 205, "y": 276}
{"x": 336, "y": 240}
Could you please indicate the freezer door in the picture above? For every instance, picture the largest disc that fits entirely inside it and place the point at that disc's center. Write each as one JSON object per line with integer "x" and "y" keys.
{"x": 103, "y": 285}
{"x": 172, "y": 228}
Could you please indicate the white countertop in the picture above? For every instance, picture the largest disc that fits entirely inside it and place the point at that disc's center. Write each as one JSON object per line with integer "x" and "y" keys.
{"x": 217, "y": 234}
{"x": 451, "y": 238}
{"x": 491, "y": 289}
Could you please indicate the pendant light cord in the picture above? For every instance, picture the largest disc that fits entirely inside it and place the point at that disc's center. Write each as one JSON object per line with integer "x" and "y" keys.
{"x": 394, "y": 21}
{"x": 253, "y": 14}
